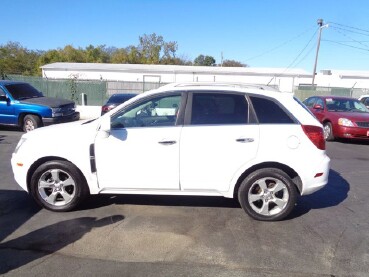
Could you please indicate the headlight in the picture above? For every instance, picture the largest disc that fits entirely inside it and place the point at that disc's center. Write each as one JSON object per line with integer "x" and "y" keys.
{"x": 20, "y": 143}
{"x": 56, "y": 112}
{"x": 345, "y": 122}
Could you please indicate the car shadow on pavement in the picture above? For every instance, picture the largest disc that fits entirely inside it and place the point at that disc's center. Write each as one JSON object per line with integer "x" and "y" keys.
{"x": 47, "y": 240}
{"x": 16, "y": 207}
{"x": 334, "y": 193}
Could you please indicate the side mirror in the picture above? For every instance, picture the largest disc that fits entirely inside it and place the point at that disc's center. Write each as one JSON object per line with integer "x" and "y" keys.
{"x": 318, "y": 107}
{"x": 4, "y": 98}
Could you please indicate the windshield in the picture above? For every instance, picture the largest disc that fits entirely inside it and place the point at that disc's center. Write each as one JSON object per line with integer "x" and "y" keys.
{"x": 345, "y": 105}
{"x": 23, "y": 91}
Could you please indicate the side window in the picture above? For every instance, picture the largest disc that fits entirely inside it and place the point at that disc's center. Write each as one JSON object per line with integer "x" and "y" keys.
{"x": 217, "y": 108}
{"x": 320, "y": 102}
{"x": 310, "y": 102}
{"x": 269, "y": 112}
{"x": 155, "y": 112}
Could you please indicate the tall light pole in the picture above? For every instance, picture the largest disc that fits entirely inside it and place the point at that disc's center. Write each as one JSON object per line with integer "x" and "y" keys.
{"x": 320, "y": 24}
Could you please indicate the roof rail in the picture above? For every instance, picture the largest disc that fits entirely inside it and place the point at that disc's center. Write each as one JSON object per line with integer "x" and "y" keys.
{"x": 234, "y": 85}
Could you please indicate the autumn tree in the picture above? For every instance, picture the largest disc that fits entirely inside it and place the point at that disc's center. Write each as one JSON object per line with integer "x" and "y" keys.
{"x": 202, "y": 60}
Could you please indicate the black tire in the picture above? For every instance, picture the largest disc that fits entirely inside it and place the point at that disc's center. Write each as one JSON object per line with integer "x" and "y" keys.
{"x": 275, "y": 201}
{"x": 58, "y": 186}
{"x": 328, "y": 131}
{"x": 31, "y": 122}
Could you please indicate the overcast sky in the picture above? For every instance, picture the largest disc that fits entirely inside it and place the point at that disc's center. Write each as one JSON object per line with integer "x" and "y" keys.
{"x": 260, "y": 33}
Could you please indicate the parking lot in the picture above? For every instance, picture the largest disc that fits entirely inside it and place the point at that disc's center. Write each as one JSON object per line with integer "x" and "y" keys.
{"x": 127, "y": 235}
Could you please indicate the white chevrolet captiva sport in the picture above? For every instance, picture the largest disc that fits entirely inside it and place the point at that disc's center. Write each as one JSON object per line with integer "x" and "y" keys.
{"x": 250, "y": 142}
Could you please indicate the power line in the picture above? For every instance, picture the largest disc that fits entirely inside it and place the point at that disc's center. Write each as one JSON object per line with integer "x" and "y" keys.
{"x": 347, "y": 30}
{"x": 354, "y": 40}
{"x": 279, "y": 46}
{"x": 347, "y": 45}
{"x": 303, "y": 49}
{"x": 355, "y": 28}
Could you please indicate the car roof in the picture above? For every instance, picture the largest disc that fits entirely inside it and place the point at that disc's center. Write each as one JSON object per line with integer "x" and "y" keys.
{"x": 11, "y": 82}
{"x": 216, "y": 86}
{"x": 334, "y": 97}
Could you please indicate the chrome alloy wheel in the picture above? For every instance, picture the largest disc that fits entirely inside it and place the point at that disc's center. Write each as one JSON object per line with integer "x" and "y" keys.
{"x": 29, "y": 125}
{"x": 268, "y": 196}
{"x": 56, "y": 187}
{"x": 327, "y": 131}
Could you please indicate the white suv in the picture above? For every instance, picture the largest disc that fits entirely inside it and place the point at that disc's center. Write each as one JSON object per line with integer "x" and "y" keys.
{"x": 253, "y": 143}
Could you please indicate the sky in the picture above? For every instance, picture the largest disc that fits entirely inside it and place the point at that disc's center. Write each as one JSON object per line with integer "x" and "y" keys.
{"x": 259, "y": 33}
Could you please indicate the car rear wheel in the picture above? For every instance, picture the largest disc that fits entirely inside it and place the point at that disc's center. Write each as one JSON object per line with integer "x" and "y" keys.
{"x": 267, "y": 194}
{"x": 58, "y": 186}
{"x": 328, "y": 132}
{"x": 31, "y": 122}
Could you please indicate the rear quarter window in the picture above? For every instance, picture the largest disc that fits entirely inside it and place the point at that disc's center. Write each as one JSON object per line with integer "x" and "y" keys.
{"x": 269, "y": 112}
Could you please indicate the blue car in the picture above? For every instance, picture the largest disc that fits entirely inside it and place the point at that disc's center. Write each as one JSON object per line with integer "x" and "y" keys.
{"x": 24, "y": 106}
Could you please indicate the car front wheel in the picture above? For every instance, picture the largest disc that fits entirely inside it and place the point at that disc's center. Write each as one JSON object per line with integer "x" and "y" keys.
{"x": 58, "y": 186}
{"x": 267, "y": 194}
{"x": 31, "y": 122}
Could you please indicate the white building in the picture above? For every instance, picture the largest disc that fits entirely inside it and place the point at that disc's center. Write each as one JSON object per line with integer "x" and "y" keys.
{"x": 285, "y": 80}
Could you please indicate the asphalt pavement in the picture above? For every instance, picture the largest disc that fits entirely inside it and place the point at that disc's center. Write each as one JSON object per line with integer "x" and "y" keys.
{"x": 129, "y": 235}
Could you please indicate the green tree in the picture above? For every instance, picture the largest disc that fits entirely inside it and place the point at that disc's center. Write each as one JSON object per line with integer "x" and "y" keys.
{"x": 150, "y": 48}
{"x": 202, "y": 60}
{"x": 233, "y": 63}
{"x": 16, "y": 59}
{"x": 96, "y": 54}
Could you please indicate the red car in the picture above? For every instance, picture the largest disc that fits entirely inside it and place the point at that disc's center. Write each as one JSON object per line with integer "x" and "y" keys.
{"x": 342, "y": 117}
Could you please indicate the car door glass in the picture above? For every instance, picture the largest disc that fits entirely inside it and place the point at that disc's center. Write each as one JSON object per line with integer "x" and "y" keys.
{"x": 269, "y": 112}
{"x": 320, "y": 102}
{"x": 155, "y": 112}
{"x": 216, "y": 108}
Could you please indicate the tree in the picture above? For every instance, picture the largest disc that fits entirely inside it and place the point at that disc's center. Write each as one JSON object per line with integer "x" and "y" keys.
{"x": 202, "y": 60}
{"x": 15, "y": 59}
{"x": 150, "y": 48}
{"x": 233, "y": 63}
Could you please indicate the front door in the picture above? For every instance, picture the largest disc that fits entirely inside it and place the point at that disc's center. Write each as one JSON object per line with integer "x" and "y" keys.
{"x": 142, "y": 150}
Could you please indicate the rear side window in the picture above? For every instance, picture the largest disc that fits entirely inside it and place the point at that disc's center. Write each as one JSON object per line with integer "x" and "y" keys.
{"x": 217, "y": 108}
{"x": 269, "y": 112}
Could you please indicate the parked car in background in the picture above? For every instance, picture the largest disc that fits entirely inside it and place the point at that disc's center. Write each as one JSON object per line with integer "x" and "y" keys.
{"x": 261, "y": 146}
{"x": 365, "y": 100}
{"x": 24, "y": 106}
{"x": 342, "y": 117}
{"x": 115, "y": 100}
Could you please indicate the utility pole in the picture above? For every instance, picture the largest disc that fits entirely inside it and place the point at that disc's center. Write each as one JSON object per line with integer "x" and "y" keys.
{"x": 320, "y": 24}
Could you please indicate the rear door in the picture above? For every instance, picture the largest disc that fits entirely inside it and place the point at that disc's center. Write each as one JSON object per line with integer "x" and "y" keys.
{"x": 216, "y": 141}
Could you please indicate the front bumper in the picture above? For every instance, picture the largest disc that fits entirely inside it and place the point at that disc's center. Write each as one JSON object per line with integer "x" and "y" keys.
{"x": 60, "y": 119}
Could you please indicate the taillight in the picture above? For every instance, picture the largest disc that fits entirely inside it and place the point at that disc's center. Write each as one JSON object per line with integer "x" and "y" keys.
{"x": 106, "y": 108}
{"x": 316, "y": 135}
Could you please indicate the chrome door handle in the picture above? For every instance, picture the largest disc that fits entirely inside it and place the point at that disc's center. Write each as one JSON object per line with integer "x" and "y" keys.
{"x": 245, "y": 140}
{"x": 167, "y": 142}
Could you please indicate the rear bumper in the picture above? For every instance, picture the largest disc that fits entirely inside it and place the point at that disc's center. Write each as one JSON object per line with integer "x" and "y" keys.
{"x": 61, "y": 119}
{"x": 316, "y": 182}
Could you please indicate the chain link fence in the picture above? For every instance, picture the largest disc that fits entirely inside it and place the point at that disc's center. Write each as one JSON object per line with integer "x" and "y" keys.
{"x": 303, "y": 92}
{"x": 97, "y": 92}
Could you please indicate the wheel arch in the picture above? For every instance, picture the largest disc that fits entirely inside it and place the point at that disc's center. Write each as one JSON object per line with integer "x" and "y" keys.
{"x": 23, "y": 114}
{"x": 285, "y": 168}
{"x": 43, "y": 160}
